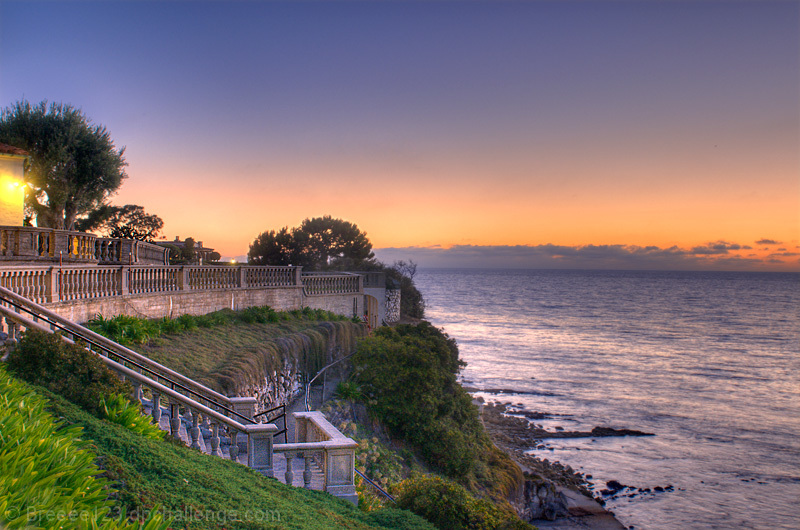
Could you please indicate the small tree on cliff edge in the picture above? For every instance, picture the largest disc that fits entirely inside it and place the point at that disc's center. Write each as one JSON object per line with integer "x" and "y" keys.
{"x": 74, "y": 165}
{"x": 319, "y": 243}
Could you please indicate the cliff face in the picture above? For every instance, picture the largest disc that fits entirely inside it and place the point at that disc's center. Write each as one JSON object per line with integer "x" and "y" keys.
{"x": 276, "y": 371}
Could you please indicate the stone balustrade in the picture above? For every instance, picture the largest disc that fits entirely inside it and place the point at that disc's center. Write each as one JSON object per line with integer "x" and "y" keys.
{"x": 335, "y": 454}
{"x": 110, "y": 251}
{"x": 33, "y": 244}
{"x": 30, "y": 244}
{"x": 317, "y": 284}
{"x": 57, "y": 284}
{"x": 48, "y": 284}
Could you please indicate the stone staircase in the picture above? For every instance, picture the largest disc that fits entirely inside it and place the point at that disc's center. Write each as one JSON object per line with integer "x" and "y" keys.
{"x": 204, "y": 442}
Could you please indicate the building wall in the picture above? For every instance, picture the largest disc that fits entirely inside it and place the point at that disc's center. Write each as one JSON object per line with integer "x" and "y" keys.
{"x": 12, "y": 192}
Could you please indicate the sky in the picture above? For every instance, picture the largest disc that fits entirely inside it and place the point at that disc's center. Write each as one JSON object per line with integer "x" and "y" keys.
{"x": 526, "y": 134}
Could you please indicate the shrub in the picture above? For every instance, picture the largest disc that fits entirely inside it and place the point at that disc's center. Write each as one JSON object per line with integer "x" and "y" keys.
{"x": 450, "y": 507}
{"x": 408, "y": 375}
{"x": 119, "y": 410}
{"x": 68, "y": 369}
{"x": 187, "y": 322}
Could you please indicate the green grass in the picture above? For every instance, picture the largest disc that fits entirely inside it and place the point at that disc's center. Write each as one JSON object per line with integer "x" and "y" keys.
{"x": 201, "y": 491}
{"x": 129, "y": 330}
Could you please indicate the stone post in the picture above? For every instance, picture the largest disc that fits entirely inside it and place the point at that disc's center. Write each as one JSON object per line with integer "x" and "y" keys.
{"x": 339, "y": 474}
{"x": 124, "y": 280}
{"x": 183, "y": 279}
{"x": 52, "y": 285}
{"x": 246, "y": 406}
{"x": 259, "y": 447}
{"x": 242, "y": 276}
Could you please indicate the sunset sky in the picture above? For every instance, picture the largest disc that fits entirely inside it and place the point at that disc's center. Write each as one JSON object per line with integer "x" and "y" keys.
{"x": 528, "y": 134}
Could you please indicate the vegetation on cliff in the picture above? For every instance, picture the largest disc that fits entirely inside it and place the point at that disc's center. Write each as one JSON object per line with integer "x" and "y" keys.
{"x": 408, "y": 376}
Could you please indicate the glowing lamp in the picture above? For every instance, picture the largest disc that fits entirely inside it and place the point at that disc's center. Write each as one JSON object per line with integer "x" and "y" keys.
{"x": 12, "y": 186}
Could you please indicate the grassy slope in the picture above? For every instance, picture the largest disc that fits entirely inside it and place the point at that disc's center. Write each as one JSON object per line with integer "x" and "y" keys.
{"x": 203, "y": 352}
{"x": 184, "y": 481}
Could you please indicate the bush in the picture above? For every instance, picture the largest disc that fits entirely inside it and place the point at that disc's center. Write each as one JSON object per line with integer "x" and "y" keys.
{"x": 408, "y": 375}
{"x": 119, "y": 410}
{"x": 450, "y": 507}
{"x": 79, "y": 375}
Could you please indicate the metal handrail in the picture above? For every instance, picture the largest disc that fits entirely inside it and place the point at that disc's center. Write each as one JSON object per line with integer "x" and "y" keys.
{"x": 90, "y": 338}
{"x": 285, "y": 430}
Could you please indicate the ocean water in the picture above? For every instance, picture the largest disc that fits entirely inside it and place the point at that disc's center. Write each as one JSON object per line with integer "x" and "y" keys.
{"x": 708, "y": 362}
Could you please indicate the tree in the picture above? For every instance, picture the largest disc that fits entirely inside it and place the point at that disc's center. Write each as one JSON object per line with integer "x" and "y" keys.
{"x": 325, "y": 242}
{"x": 126, "y": 222}
{"x": 318, "y": 244}
{"x": 273, "y": 248}
{"x": 74, "y": 165}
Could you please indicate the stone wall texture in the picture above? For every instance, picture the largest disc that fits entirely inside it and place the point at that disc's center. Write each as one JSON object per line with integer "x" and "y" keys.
{"x": 157, "y": 305}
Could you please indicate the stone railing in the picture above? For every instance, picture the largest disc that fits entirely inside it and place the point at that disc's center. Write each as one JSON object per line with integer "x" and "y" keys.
{"x": 109, "y": 251}
{"x": 319, "y": 284}
{"x": 241, "y": 408}
{"x": 374, "y": 280}
{"x": 34, "y": 244}
{"x": 55, "y": 284}
{"x": 317, "y": 440}
{"x": 29, "y": 243}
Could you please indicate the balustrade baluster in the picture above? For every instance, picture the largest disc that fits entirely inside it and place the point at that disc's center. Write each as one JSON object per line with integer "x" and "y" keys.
{"x": 234, "y": 448}
{"x": 137, "y": 391}
{"x": 175, "y": 420}
{"x": 289, "y": 475}
{"x": 215, "y": 439}
{"x": 195, "y": 432}
{"x": 307, "y": 471}
{"x": 156, "y": 412}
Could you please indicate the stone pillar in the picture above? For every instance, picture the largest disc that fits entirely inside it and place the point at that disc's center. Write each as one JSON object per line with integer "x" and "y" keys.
{"x": 52, "y": 285}
{"x": 339, "y": 473}
{"x": 124, "y": 280}
{"x": 183, "y": 279}
{"x": 246, "y": 406}
{"x": 259, "y": 447}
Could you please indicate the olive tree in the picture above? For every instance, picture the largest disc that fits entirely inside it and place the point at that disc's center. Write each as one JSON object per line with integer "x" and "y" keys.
{"x": 74, "y": 165}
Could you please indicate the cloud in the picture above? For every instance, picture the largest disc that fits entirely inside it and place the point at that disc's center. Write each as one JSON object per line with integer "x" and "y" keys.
{"x": 767, "y": 242}
{"x": 719, "y": 247}
{"x": 717, "y": 255}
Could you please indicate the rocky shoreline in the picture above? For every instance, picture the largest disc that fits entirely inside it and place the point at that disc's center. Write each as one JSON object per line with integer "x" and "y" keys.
{"x": 555, "y": 495}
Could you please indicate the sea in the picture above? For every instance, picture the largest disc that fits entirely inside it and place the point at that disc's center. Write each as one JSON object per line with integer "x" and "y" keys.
{"x": 706, "y": 361}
